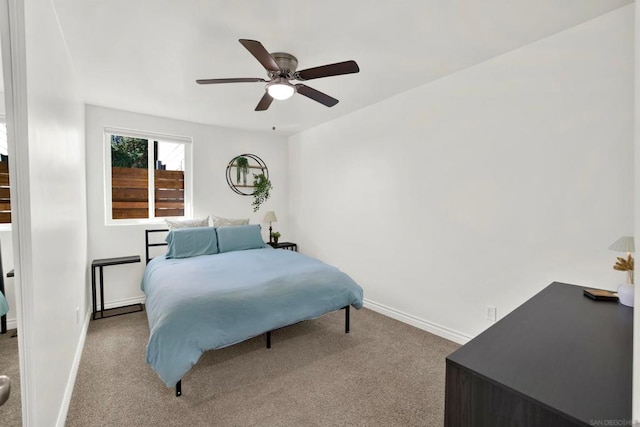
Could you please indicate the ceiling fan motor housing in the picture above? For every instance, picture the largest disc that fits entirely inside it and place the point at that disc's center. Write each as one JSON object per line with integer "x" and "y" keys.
{"x": 287, "y": 64}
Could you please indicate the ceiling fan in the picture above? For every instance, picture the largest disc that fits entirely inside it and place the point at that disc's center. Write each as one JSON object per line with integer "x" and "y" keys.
{"x": 281, "y": 69}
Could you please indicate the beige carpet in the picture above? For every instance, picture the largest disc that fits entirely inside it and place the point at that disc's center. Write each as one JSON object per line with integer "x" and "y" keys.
{"x": 383, "y": 373}
{"x": 11, "y": 411}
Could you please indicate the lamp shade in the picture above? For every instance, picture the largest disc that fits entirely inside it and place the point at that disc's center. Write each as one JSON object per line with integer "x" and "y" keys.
{"x": 270, "y": 217}
{"x": 281, "y": 91}
{"x": 623, "y": 244}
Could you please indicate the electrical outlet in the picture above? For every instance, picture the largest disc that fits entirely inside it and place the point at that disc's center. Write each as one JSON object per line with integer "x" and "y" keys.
{"x": 491, "y": 313}
{"x": 77, "y": 315}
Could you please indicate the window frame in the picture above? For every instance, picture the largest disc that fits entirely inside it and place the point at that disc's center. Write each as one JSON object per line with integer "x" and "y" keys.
{"x": 149, "y": 136}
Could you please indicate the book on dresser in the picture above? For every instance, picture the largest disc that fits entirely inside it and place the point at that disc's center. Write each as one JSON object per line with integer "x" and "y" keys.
{"x": 600, "y": 295}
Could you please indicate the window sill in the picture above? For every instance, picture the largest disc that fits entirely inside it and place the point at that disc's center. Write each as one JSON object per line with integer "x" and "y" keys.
{"x": 146, "y": 221}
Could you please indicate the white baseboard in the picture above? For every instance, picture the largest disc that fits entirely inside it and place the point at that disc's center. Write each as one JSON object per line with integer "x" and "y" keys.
{"x": 123, "y": 302}
{"x": 68, "y": 391}
{"x": 425, "y": 325}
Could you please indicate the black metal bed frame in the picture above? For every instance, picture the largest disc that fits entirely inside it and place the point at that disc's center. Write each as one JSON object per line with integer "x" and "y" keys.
{"x": 268, "y": 336}
{"x": 147, "y": 245}
{"x": 347, "y": 322}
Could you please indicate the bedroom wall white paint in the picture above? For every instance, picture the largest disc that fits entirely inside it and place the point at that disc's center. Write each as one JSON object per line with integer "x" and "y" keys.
{"x": 213, "y": 148}
{"x": 480, "y": 188}
{"x": 49, "y": 210}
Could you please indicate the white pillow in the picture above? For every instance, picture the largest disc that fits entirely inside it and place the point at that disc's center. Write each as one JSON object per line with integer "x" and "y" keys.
{"x": 187, "y": 223}
{"x": 218, "y": 221}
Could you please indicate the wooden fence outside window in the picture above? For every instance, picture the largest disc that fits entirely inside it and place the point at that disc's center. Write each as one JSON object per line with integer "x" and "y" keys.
{"x": 5, "y": 199}
{"x": 130, "y": 193}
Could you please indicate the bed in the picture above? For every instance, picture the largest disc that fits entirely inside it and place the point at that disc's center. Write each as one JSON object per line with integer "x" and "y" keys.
{"x": 4, "y": 306}
{"x": 4, "y": 309}
{"x": 228, "y": 288}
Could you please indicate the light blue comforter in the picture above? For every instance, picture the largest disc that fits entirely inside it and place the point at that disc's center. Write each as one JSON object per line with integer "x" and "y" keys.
{"x": 213, "y": 301}
{"x": 4, "y": 306}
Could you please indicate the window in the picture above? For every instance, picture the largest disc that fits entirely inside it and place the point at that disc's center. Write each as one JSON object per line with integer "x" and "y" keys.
{"x": 5, "y": 199}
{"x": 147, "y": 176}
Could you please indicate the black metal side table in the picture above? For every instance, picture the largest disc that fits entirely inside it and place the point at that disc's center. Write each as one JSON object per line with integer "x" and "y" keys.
{"x": 100, "y": 264}
{"x": 284, "y": 245}
{"x": 3, "y": 319}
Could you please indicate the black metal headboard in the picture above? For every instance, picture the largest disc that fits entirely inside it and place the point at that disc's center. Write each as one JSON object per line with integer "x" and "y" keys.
{"x": 148, "y": 245}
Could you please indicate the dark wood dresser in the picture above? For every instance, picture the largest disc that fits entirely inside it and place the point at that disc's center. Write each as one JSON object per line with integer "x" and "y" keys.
{"x": 560, "y": 359}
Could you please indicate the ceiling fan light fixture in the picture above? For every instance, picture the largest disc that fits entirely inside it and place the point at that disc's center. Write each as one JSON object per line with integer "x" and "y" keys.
{"x": 281, "y": 68}
{"x": 280, "y": 89}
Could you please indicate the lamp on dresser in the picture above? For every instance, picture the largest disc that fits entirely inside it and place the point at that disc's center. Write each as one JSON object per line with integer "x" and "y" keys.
{"x": 270, "y": 217}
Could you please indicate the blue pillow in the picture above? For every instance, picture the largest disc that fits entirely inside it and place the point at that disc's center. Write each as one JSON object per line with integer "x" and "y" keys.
{"x": 239, "y": 237}
{"x": 189, "y": 242}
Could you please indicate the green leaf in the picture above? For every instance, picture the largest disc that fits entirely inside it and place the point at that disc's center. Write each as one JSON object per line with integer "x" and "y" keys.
{"x": 262, "y": 188}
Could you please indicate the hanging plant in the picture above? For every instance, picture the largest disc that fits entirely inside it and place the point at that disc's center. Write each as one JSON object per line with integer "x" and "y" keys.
{"x": 262, "y": 186}
{"x": 242, "y": 168}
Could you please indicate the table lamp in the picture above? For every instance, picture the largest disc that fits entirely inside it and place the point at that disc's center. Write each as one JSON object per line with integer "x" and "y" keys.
{"x": 270, "y": 217}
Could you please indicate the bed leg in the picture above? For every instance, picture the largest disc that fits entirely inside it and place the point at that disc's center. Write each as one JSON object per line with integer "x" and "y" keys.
{"x": 269, "y": 339}
{"x": 179, "y": 388}
{"x": 346, "y": 319}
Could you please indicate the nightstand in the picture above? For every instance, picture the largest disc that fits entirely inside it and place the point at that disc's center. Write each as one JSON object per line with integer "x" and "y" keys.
{"x": 284, "y": 245}
{"x": 100, "y": 264}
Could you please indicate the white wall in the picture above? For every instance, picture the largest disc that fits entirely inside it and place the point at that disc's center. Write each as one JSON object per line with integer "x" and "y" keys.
{"x": 49, "y": 210}
{"x": 480, "y": 188}
{"x": 213, "y": 148}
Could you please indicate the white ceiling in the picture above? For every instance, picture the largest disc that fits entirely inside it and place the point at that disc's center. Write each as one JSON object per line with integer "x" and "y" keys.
{"x": 145, "y": 55}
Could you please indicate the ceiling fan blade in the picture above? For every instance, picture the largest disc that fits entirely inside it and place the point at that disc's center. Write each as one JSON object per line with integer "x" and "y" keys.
{"x": 240, "y": 80}
{"x": 264, "y": 102}
{"x": 260, "y": 53}
{"x": 346, "y": 67}
{"x": 316, "y": 95}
